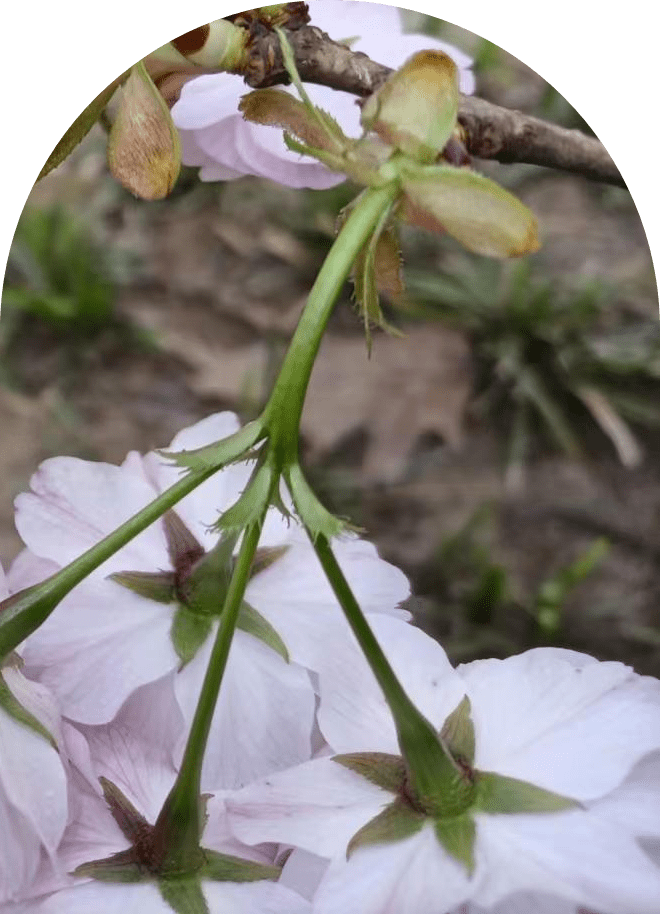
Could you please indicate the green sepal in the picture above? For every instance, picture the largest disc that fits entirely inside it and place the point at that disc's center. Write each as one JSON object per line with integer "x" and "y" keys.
{"x": 252, "y": 505}
{"x": 80, "y": 127}
{"x": 122, "y": 867}
{"x": 226, "y": 868}
{"x": 330, "y": 160}
{"x": 183, "y": 894}
{"x": 252, "y": 622}
{"x": 183, "y": 547}
{"x": 16, "y": 710}
{"x": 189, "y": 631}
{"x": 204, "y": 589}
{"x": 458, "y": 837}
{"x": 317, "y": 519}
{"x": 219, "y": 454}
{"x": 132, "y": 823}
{"x": 381, "y": 768}
{"x": 373, "y": 274}
{"x": 157, "y": 585}
{"x": 458, "y": 733}
{"x": 396, "y": 822}
{"x": 498, "y": 794}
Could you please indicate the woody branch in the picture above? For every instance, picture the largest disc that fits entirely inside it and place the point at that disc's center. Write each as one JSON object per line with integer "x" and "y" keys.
{"x": 491, "y": 132}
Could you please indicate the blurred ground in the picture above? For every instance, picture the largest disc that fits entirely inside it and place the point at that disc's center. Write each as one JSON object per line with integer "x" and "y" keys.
{"x": 214, "y": 282}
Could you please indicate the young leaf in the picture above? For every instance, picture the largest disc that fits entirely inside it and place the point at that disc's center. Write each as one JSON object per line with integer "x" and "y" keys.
{"x": 484, "y": 217}
{"x": 80, "y": 127}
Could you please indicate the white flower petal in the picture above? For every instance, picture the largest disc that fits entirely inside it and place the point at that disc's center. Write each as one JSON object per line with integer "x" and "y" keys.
{"x": 635, "y": 805}
{"x": 255, "y": 730}
{"x": 317, "y": 806}
{"x": 353, "y": 715}
{"x": 564, "y": 722}
{"x": 577, "y": 855}
{"x": 407, "y": 877}
{"x": 253, "y": 898}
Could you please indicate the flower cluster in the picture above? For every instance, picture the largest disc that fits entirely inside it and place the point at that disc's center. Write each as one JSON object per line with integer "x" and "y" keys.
{"x": 308, "y": 803}
{"x": 215, "y": 137}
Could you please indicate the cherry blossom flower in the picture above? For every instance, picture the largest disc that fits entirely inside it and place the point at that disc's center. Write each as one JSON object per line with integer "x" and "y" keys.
{"x": 33, "y": 793}
{"x": 122, "y": 773}
{"x": 216, "y": 138}
{"x": 106, "y": 639}
{"x": 585, "y": 734}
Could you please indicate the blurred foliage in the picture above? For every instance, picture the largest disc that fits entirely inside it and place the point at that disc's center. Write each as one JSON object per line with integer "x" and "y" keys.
{"x": 59, "y": 300}
{"x": 478, "y": 591}
{"x": 59, "y": 274}
{"x": 546, "y": 357}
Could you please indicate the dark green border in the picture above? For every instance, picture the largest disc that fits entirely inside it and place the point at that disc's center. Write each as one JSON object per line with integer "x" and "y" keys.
{"x": 56, "y": 57}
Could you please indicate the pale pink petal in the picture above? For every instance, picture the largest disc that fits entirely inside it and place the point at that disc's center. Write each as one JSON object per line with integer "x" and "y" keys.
{"x": 135, "y": 751}
{"x": 574, "y": 726}
{"x": 92, "y": 833}
{"x": 265, "y": 154}
{"x": 192, "y": 154}
{"x": 204, "y": 505}
{"x": 353, "y": 715}
{"x": 317, "y": 806}
{"x": 407, "y": 877}
{"x": 303, "y": 872}
{"x": 91, "y": 651}
{"x": 296, "y": 598}
{"x": 4, "y": 589}
{"x": 20, "y": 851}
{"x": 75, "y": 503}
{"x": 218, "y": 835}
{"x": 33, "y": 802}
{"x": 348, "y": 19}
{"x": 208, "y": 100}
{"x": 36, "y": 699}
{"x": 395, "y": 51}
{"x": 264, "y": 716}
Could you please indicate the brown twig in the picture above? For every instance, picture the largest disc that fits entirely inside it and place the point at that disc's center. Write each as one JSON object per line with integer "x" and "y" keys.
{"x": 491, "y": 132}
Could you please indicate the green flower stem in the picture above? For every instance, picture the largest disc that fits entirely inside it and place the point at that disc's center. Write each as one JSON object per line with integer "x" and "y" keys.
{"x": 24, "y": 612}
{"x": 436, "y": 780}
{"x": 181, "y": 822}
{"x": 284, "y": 408}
